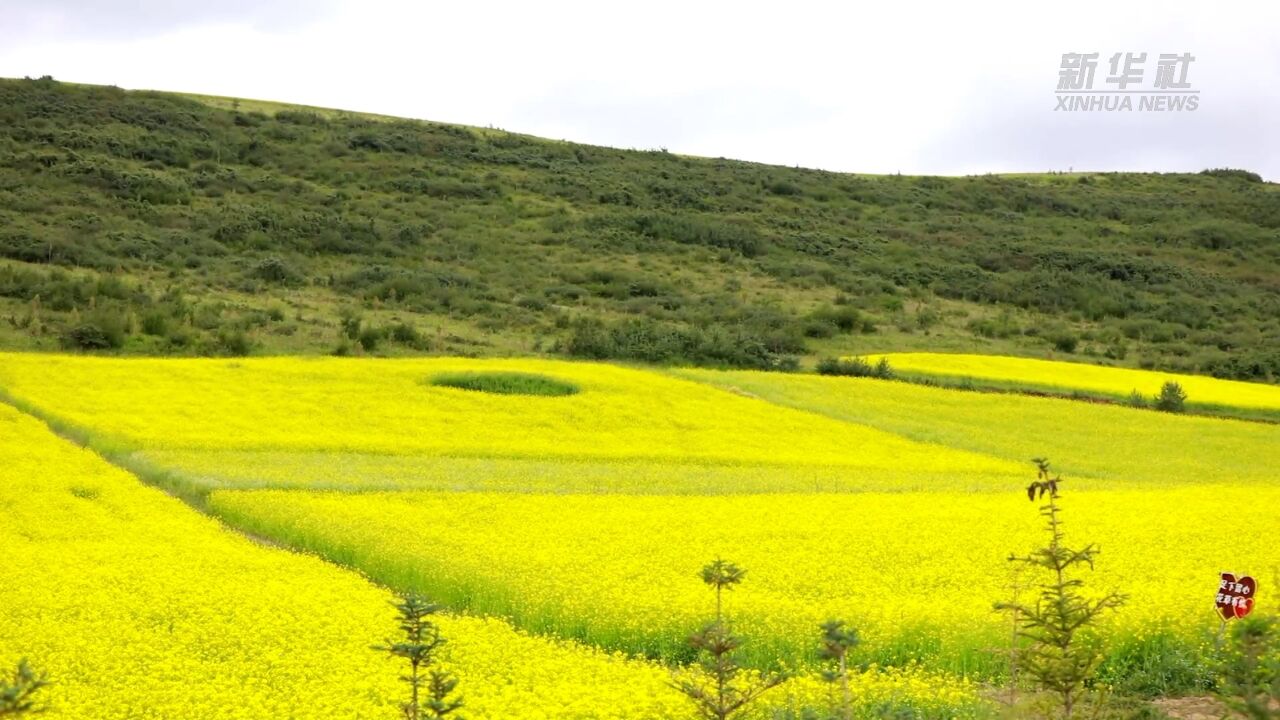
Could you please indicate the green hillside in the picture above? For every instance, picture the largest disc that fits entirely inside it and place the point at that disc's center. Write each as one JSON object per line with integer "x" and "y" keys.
{"x": 142, "y": 222}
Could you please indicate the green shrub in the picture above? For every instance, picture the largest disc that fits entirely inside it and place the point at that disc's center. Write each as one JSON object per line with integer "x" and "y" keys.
{"x": 1064, "y": 341}
{"x": 274, "y": 269}
{"x": 756, "y": 343}
{"x": 408, "y": 335}
{"x": 180, "y": 337}
{"x": 102, "y": 331}
{"x": 505, "y": 383}
{"x": 855, "y": 367}
{"x": 1250, "y": 682}
{"x": 233, "y": 342}
{"x": 1233, "y": 173}
{"x": 1002, "y": 326}
{"x": 369, "y": 338}
{"x": 696, "y": 230}
{"x": 1172, "y": 398}
{"x": 155, "y": 323}
{"x": 784, "y": 188}
{"x": 827, "y": 321}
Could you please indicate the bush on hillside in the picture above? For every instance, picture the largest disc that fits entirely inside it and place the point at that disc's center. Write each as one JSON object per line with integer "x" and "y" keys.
{"x": 855, "y": 367}
{"x": 1172, "y": 398}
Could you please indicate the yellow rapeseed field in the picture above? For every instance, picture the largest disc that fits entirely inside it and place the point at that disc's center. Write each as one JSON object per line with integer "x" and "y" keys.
{"x": 374, "y": 471}
{"x": 586, "y": 517}
{"x": 383, "y": 406}
{"x": 138, "y": 607}
{"x": 916, "y": 572}
{"x": 1099, "y": 446}
{"x": 1068, "y": 376}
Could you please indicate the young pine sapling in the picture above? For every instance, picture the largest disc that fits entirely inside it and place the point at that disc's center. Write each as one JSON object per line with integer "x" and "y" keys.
{"x": 1172, "y": 398}
{"x": 16, "y": 692}
{"x": 419, "y": 646}
{"x": 837, "y": 641}
{"x": 1056, "y": 656}
{"x": 718, "y": 688}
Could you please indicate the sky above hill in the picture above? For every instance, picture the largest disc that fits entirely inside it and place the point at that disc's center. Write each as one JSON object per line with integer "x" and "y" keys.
{"x": 947, "y": 88}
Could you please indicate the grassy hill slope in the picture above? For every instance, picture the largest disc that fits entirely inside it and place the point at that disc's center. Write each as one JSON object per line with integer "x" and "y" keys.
{"x": 144, "y": 222}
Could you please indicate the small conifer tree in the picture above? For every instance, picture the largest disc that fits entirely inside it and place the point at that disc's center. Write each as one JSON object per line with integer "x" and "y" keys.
{"x": 17, "y": 691}
{"x": 1055, "y": 656}
{"x": 419, "y": 646}
{"x": 837, "y": 641}
{"x": 718, "y": 688}
{"x": 1172, "y": 398}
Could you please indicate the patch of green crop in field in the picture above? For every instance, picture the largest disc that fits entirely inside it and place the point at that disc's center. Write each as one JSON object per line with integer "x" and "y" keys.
{"x": 505, "y": 383}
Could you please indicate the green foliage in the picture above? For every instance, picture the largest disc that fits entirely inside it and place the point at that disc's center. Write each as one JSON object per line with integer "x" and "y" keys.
{"x": 719, "y": 687}
{"x": 1001, "y": 326}
{"x": 157, "y": 202}
{"x": 837, "y": 640}
{"x": 1172, "y": 398}
{"x": 1250, "y": 678}
{"x": 231, "y": 342}
{"x": 506, "y": 383}
{"x": 829, "y": 321}
{"x": 695, "y": 230}
{"x": 756, "y": 343}
{"x": 273, "y": 269}
{"x": 369, "y": 338}
{"x": 1056, "y": 656}
{"x": 1064, "y": 341}
{"x": 418, "y": 646}
{"x": 1157, "y": 665}
{"x": 102, "y": 330}
{"x": 408, "y": 335}
{"x": 17, "y": 692}
{"x": 855, "y": 367}
{"x": 1245, "y": 175}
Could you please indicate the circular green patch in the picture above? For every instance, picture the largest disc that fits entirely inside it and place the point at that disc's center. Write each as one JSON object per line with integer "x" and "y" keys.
{"x": 505, "y": 383}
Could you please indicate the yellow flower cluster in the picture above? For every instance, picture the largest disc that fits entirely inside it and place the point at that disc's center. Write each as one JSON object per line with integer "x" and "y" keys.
{"x": 1068, "y": 376}
{"x": 916, "y": 572}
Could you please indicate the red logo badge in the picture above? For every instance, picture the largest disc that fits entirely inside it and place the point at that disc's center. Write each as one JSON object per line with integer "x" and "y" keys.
{"x": 1235, "y": 596}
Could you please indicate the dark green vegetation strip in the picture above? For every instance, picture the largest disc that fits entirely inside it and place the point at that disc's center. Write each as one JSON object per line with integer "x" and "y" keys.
{"x": 144, "y": 222}
{"x": 505, "y": 383}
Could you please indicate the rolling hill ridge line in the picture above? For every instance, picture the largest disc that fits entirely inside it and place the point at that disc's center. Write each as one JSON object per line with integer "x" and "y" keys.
{"x": 144, "y": 223}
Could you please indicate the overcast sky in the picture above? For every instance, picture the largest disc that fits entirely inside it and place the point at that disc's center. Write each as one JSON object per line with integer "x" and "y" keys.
{"x": 947, "y": 88}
